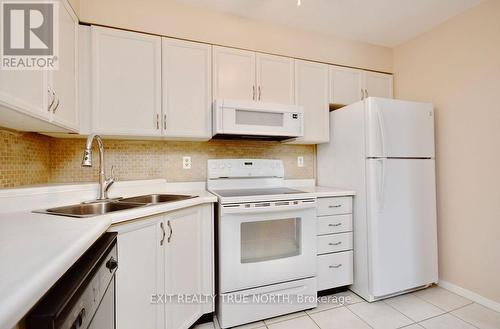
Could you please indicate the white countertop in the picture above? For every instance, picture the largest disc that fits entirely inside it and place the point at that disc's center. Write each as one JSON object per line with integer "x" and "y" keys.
{"x": 37, "y": 249}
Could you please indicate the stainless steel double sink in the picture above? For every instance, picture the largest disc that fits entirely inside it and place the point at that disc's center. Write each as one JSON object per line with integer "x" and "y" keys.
{"x": 96, "y": 208}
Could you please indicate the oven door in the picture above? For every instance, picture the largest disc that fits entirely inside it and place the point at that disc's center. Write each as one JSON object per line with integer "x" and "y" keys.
{"x": 264, "y": 246}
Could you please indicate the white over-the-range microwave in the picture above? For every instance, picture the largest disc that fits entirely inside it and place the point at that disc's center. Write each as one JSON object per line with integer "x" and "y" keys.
{"x": 248, "y": 119}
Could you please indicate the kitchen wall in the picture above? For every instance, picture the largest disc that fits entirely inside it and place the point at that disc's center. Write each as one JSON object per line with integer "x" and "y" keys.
{"x": 457, "y": 67}
{"x": 171, "y": 18}
{"x": 28, "y": 158}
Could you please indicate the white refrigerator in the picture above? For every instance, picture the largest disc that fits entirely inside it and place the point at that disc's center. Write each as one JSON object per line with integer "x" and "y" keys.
{"x": 383, "y": 149}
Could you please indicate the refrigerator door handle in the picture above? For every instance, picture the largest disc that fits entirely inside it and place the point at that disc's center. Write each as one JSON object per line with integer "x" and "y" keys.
{"x": 381, "y": 126}
{"x": 381, "y": 186}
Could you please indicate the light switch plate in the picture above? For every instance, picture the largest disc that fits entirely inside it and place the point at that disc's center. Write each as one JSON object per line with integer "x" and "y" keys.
{"x": 186, "y": 162}
{"x": 300, "y": 161}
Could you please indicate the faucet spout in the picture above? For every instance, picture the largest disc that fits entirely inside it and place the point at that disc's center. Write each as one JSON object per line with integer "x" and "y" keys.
{"x": 104, "y": 183}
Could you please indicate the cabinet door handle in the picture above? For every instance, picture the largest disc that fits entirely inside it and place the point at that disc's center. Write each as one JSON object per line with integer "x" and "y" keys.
{"x": 164, "y": 122}
{"x": 253, "y": 92}
{"x": 171, "y": 231}
{"x": 366, "y": 93}
{"x": 335, "y": 225}
{"x": 335, "y": 266}
{"x": 57, "y": 103}
{"x": 53, "y": 94}
{"x": 335, "y": 243}
{"x": 260, "y": 93}
{"x": 163, "y": 234}
{"x": 362, "y": 94}
{"x": 157, "y": 121}
{"x": 335, "y": 206}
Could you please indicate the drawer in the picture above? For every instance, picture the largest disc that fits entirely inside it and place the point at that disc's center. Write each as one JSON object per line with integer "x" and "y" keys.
{"x": 334, "y": 270}
{"x": 334, "y": 206}
{"x": 334, "y": 224}
{"x": 334, "y": 242}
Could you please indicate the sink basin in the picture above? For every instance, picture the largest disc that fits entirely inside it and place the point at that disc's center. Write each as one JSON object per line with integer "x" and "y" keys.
{"x": 90, "y": 209}
{"x": 157, "y": 198}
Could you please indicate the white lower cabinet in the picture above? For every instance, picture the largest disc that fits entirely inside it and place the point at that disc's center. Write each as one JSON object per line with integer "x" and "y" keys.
{"x": 335, "y": 270}
{"x": 188, "y": 265}
{"x": 165, "y": 262}
{"x": 334, "y": 242}
{"x": 139, "y": 275}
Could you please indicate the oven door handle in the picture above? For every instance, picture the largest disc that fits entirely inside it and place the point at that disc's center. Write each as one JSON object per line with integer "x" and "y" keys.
{"x": 240, "y": 209}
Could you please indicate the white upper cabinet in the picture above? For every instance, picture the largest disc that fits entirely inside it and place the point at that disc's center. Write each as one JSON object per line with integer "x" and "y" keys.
{"x": 377, "y": 84}
{"x": 64, "y": 81}
{"x": 349, "y": 85}
{"x": 45, "y": 100}
{"x": 311, "y": 92}
{"x": 345, "y": 85}
{"x": 275, "y": 79}
{"x": 126, "y": 83}
{"x": 233, "y": 74}
{"x": 187, "y": 89}
{"x": 26, "y": 92}
{"x": 246, "y": 75}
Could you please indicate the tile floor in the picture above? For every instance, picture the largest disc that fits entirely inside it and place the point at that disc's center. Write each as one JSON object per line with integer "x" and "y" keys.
{"x": 432, "y": 308}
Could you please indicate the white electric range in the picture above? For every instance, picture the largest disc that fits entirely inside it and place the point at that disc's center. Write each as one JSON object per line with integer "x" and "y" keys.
{"x": 266, "y": 241}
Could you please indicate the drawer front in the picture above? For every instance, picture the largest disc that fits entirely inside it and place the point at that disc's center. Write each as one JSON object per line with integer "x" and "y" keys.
{"x": 335, "y": 270}
{"x": 334, "y": 242}
{"x": 334, "y": 206}
{"x": 334, "y": 224}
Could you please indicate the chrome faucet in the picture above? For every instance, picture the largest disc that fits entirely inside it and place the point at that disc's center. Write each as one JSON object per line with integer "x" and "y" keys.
{"x": 104, "y": 183}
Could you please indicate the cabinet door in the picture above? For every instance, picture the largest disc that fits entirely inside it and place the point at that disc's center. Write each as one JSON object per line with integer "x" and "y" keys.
{"x": 187, "y": 86}
{"x": 64, "y": 80}
{"x": 126, "y": 82}
{"x": 345, "y": 85}
{"x": 26, "y": 92}
{"x": 311, "y": 91}
{"x": 234, "y": 74}
{"x": 139, "y": 275}
{"x": 378, "y": 84}
{"x": 188, "y": 265}
{"x": 275, "y": 79}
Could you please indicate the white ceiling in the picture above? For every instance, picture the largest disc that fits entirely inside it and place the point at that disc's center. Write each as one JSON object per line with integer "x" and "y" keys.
{"x": 382, "y": 22}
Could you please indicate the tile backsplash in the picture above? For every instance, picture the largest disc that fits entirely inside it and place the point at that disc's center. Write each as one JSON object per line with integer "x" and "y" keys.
{"x": 29, "y": 158}
{"x": 24, "y": 158}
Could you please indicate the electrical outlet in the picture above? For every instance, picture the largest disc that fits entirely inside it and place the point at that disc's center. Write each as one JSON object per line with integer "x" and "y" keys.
{"x": 186, "y": 162}
{"x": 300, "y": 161}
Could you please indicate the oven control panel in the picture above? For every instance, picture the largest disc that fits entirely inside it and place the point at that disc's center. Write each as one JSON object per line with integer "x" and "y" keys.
{"x": 244, "y": 168}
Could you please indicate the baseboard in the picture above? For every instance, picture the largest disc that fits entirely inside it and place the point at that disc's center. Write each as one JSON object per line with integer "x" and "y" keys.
{"x": 470, "y": 295}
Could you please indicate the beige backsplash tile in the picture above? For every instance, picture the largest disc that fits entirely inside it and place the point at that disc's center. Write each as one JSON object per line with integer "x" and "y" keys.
{"x": 24, "y": 158}
{"x": 32, "y": 158}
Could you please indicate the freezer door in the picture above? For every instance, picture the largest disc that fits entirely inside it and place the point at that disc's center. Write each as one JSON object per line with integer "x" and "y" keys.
{"x": 402, "y": 233}
{"x": 398, "y": 128}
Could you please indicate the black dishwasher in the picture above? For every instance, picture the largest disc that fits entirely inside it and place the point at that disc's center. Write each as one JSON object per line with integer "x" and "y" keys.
{"x": 84, "y": 297}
